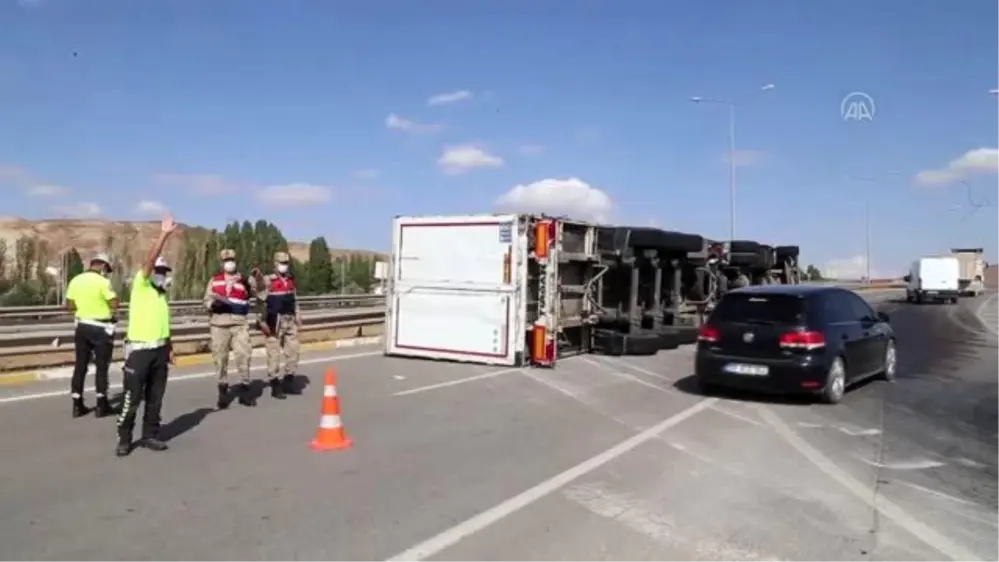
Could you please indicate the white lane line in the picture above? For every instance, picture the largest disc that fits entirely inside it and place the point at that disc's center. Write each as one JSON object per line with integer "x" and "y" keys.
{"x": 457, "y": 381}
{"x": 889, "y": 509}
{"x": 456, "y": 534}
{"x": 178, "y": 378}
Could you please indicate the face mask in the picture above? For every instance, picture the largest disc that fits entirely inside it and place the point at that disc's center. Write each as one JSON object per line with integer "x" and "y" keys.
{"x": 161, "y": 281}
{"x": 282, "y": 268}
{"x": 229, "y": 266}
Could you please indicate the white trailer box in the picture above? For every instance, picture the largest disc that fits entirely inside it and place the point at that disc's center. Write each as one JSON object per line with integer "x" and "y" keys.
{"x": 456, "y": 289}
{"x": 495, "y": 289}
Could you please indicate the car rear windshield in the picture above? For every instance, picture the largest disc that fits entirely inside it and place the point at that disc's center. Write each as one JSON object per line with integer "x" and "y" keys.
{"x": 760, "y": 308}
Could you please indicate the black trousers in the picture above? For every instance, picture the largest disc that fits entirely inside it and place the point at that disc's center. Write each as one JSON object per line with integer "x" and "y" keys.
{"x": 145, "y": 380}
{"x": 91, "y": 341}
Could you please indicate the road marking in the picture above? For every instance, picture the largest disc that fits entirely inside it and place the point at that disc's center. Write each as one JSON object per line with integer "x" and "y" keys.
{"x": 457, "y": 381}
{"x": 889, "y": 509}
{"x": 189, "y": 376}
{"x": 919, "y": 464}
{"x": 456, "y": 534}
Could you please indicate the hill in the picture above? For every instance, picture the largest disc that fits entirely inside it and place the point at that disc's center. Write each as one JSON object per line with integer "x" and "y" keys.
{"x": 126, "y": 240}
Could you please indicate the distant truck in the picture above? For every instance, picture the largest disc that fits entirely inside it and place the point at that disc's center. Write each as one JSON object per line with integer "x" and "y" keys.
{"x": 933, "y": 278}
{"x": 971, "y": 264}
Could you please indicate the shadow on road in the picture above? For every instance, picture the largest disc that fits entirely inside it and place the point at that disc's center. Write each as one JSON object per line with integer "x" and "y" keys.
{"x": 184, "y": 423}
{"x": 689, "y": 385}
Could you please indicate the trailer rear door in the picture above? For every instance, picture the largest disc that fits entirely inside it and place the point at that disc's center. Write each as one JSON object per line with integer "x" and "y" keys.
{"x": 453, "y": 292}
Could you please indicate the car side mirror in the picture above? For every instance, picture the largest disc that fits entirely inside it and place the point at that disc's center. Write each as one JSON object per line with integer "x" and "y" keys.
{"x": 907, "y": 278}
{"x": 883, "y": 317}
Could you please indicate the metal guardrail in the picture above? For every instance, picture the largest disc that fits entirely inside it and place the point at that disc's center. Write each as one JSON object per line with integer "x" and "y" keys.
{"x": 28, "y": 315}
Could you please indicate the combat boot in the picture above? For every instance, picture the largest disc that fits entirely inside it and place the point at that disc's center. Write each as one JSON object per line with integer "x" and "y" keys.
{"x": 223, "y": 401}
{"x": 153, "y": 444}
{"x": 103, "y": 407}
{"x": 276, "y": 389}
{"x": 79, "y": 408}
{"x": 246, "y": 397}
{"x": 288, "y": 384}
{"x": 124, "y": 445}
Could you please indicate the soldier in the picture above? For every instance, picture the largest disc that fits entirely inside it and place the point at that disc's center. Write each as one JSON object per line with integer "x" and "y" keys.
{"x": 227, "y": 298}
{"x": 280, "y": 322}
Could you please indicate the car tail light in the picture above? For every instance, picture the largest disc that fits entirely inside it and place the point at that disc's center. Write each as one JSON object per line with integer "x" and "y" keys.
{"x": 803, "y": 340}
{"x": 708, "y": 334}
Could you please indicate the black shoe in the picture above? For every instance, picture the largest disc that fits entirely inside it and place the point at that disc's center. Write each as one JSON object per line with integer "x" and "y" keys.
{"x": 79, "y": 408}
{"x": 223, "y": 401}
{"x": 123, "y": 449}
{"x": 276, "y": 390}
{"x": 103, "y": 407}
{"x": 153, "y": 444}
{"x": 246, "y": 397}
{"x": 288, "y": 384}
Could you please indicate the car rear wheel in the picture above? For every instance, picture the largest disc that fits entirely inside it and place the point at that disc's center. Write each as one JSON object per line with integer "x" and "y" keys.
{"x": 835, "y": 382}
{"x": 890, "y": 366}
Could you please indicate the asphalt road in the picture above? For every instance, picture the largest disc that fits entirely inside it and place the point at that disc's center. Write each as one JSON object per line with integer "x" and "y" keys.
{"x": 601, "y": 458}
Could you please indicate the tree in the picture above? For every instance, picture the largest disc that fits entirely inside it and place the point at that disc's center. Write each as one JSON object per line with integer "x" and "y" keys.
{"x": 74, "y": 264}
{"x": 361, "y": 273}
{"x": 320, "y": 266}
{"x": 3, "y": 258}
{"x": 25, "y": 258}
{"x": 812, "y": 273}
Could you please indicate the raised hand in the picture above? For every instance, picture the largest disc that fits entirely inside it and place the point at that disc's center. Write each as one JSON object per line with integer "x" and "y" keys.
{"x": 167, "y": 226}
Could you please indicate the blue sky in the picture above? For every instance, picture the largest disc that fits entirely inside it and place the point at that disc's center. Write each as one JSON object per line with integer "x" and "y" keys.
{"x": 318, "y": 115}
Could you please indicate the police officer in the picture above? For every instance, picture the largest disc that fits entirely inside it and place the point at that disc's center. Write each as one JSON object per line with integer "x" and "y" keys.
{"x": 280, "y": 323}
{"x": 94, "y": 302}
{"x": 148, "y": 363}
{"x": 227, "y": 298}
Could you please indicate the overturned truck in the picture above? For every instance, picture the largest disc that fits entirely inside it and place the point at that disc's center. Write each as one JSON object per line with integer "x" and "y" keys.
{"x": 521, "y": 289}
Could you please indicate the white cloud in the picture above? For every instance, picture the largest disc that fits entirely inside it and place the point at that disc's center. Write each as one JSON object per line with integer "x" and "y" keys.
{"x": 746, "y": 158}
{"x": 972, "y": 163}
{"x": 449, "y": 97}
{"x": 201, "y": 184}
{"x": 149, "y": 207}
{"x": 854, "y": 268}
{"x": 46, "y": 190}
{"x": 459, "y": 159}
{"x": 366, "y": 174}
{"x": 572, "y": 197}
{"x": 295, "y": 194}
{"x": 531, "y": 149}
{"x": 398, "y": 123}
{"x": 80, "y": 210}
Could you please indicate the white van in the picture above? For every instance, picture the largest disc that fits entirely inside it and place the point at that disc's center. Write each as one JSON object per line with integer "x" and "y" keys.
{"x": 933, "y": 278}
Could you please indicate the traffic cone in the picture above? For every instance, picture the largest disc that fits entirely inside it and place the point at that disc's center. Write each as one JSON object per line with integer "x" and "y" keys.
{"x": 331, "y": 435}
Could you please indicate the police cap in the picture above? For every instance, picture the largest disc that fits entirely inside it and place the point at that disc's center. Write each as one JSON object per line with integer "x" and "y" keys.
{"x": 281, "y": 257}
{"x": 227, "y": 254}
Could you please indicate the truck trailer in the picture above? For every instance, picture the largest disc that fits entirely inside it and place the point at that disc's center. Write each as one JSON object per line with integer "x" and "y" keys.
{"x": 971, "y": 274}
{"x": 527, "y": 289}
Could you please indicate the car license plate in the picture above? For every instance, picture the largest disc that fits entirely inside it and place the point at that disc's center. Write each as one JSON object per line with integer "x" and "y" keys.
{"x": 749, "y": 370}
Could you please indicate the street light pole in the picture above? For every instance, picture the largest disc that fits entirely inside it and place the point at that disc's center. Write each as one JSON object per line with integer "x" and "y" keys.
{"x": 731, "y": 171}
{"x": 731, "y": 153}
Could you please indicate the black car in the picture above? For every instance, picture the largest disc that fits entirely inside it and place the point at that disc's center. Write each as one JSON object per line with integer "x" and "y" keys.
{"x": 793, "y": 339}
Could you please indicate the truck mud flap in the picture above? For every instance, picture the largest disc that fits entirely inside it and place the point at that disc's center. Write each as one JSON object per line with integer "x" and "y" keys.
{"x": 610, "y": 342}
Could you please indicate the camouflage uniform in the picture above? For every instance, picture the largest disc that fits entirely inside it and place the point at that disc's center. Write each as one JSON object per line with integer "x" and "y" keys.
{"x": 227, "y": 298}
{"x": 281, "y": 316}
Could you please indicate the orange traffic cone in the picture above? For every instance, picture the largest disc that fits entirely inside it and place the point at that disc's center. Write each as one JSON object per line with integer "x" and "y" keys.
{"x": 331, "y": 435}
